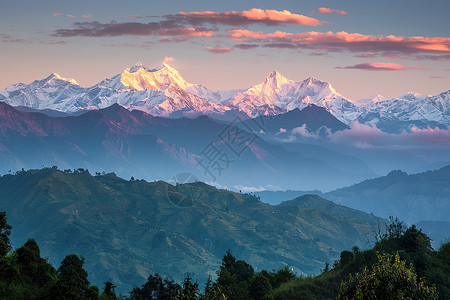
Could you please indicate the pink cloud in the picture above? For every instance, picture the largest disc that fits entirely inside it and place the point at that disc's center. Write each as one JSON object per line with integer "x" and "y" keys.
{"x": 188, "y": 32}
{"x": 168, "y": 60}
{"x": 70, "y": 16}
{"x": 366, "y": 136}
{"x": 355, "y": 42}
{"x": 86, "y": 16}
{"x": 134, "y": 16}
{"x": 245, "y": 33}
{"x": 437, "y": 77}
{"x": 254, "y": 15}
{"x": 215, "y": 50}
{"x": 376, "y": 67}
{"x": 56, "y": 14}
{"x": 369, "y": 136}
{"x": 302, "y": 131}
{"x": 325, "y": 10}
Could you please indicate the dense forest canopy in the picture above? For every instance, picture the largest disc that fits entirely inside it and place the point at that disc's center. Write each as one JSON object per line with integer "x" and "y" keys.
{"x": 401, "y": 265}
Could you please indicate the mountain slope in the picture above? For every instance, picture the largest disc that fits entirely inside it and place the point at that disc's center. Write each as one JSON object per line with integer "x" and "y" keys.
{"x": 312, "y": 117}
{"x": 127, "y": 229}
{"x": 48, "y": 93}
{"x": 407, "y": 111}
{"x": 138, "y": 144}
{"x": 413, "y": 198}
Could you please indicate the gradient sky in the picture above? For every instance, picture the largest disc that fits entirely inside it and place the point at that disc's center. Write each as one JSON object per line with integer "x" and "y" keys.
{"x": 362, "y": 47}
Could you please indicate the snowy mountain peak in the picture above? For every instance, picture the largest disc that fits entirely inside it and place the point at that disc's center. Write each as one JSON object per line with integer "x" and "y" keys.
{"x": 172, "y": 72}
{"x": 412, "y": 96}
{"x": 312, "y": 79}
{"x": 377, "y": 98}
{"x": 55, "y": 78}
{"x": 367, "y": 101}
{"x": 141, "y": 78}
{"x": 278, "y": 94}
{"x": 271, "y": 86}
{"x": 274, "y": 74}
{"x": 313, "y": 86}
{"x": 138, "y": 66}
{"x": 276, "y": 78}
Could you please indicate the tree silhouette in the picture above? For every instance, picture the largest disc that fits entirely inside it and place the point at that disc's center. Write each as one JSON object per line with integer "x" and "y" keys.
{"x": 390, "y": 278}
{"x": 155, "y": 288}
{"x": 72, "y": 279}
{"x": 5, "y": 231}
{"x": 109, "y": 291}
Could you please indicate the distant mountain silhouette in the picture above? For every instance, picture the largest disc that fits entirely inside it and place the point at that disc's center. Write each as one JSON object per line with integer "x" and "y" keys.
{"x": 413, "y": 198}
{"x": 134, "y": 143}
{"x": 312, "y": 116}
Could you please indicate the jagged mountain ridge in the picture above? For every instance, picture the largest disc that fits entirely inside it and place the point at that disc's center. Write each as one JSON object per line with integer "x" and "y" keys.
{"x": 279, "y": 93}
{"x": 433, "y": 111}
{"x": 164, "y": 92}
{"x": 313, "y": 117}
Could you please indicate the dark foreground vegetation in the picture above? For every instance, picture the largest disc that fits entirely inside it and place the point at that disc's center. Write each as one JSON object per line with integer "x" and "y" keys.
{"x": 401, "y": 265}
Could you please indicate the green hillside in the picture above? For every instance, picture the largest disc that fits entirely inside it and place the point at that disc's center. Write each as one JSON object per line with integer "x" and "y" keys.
{"x": 375, "y": 274}
{"x": 129, "y": 229}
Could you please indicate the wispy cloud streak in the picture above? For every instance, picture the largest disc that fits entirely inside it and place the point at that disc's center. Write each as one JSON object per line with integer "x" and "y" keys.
{"x": 97, "y": 29}
{"x": 255, "y": 15}
{"x": 218, "y": 50}
{"x": 376, "y": 67}
{"x": 326, "y": 10}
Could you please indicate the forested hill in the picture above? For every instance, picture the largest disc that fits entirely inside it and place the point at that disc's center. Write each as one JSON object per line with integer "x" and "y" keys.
{"x": 413, "y": 198}
{"x": 128, "y": 229}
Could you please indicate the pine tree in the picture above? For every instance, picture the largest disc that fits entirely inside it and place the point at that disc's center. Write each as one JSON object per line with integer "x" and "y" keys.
{"x": 72, "y": 279}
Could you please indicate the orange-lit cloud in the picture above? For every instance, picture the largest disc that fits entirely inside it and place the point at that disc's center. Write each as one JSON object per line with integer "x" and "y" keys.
{"x": 217, "y": 50}
{"x": 376, "y": 67}
{"x": 326, "y": 10}
{"x": 70, "y": 16}
{"x": 191, "y": 31}
{"x": 87, "y": 16}
{"x": 254, "y": 15}
{"x": 56, "y": 14}
{"x": 340, "y": 41}
{"x": 168, "y": 60}
{"x": 245, "y": 33}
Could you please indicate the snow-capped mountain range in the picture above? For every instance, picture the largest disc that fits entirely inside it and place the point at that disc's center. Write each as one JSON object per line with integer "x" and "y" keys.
{"x": 164, "y": 92}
